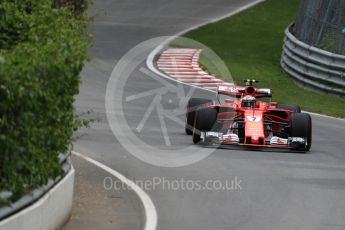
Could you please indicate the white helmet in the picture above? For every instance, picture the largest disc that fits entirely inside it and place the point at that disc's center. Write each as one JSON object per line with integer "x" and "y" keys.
{"x": 248, "y": 101}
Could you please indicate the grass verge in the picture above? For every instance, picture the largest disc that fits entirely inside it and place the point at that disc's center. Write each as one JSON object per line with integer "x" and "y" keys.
{"x": 250, "y": 44}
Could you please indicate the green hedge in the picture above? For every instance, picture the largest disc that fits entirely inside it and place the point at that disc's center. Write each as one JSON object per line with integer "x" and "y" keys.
{"x": 42, "y": 51}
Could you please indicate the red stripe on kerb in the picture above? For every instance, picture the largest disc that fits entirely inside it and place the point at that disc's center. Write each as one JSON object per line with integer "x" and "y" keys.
{"x": 182, "y": 65}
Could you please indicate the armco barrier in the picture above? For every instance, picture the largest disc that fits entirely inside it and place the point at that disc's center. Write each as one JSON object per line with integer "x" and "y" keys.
{"x": 313, "y": 67}
{"x": 47, "y": 207}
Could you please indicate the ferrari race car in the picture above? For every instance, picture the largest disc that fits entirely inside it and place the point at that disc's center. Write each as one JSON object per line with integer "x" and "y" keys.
{"x": 239, "y": 118}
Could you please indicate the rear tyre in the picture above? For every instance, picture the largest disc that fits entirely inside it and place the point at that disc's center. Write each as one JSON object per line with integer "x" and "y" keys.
{"x": 192, "y": 106}
{"x": 301, "y": 126}
{"x": 291, "y": 107}
{"x": 205, "y": 118}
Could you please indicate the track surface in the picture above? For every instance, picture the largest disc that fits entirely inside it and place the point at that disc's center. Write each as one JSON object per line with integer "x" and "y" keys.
{"x": 279, "y": 190}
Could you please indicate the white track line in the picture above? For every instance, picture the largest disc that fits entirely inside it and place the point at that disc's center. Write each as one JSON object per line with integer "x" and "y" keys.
{"x": 325, "y": 116}
{"x": 149, "y": 207}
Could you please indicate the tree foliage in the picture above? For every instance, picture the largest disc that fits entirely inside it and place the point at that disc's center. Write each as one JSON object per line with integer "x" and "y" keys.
{"x": 42, "y": 50}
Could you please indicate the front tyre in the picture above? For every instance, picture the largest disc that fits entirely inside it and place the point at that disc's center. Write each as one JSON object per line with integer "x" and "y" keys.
{"x": 192, "y": 106}
{"x": 301, "y": 126}
{"x": 205, "y": 118}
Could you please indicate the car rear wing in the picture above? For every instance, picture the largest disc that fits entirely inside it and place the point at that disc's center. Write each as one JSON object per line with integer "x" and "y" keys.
{"x": 240, "y": 91}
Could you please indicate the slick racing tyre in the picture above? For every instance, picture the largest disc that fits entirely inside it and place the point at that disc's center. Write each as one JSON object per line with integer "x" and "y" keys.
{"x": 192, "y": 106}
{"x": 205, "y": 118}
{"x": 291, "y": 107}
{"x": 301, "y": 126}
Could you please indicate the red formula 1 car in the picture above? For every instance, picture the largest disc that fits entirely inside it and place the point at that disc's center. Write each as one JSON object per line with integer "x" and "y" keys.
{"x": 238, "y": 118}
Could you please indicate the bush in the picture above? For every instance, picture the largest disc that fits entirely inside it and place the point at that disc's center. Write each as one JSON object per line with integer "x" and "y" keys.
{"x": 42, "y": 53}
{"x": 77, "y": 6}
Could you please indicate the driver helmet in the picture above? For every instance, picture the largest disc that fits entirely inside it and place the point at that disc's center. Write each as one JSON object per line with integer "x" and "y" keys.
{"x": 248, "y": 101}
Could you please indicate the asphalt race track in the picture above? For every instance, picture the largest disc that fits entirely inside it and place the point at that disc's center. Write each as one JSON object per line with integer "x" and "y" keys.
{"x": 277, "y": 190}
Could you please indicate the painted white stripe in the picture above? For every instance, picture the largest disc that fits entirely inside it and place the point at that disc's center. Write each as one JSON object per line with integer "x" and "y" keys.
{"x": 185, "y": 73}
{"x": 206, "y": 84}
{"x": 189, "y": 72}
{"x": 190, "y": 76}
{"x": 176, "y": 56}
{"x": 169, "y": 58}
{"x": 185, "y": 59}
{"x": 191, "y": 80}
{"x": 180, "y": 63}
{"x": 176, "y": 62}
{"x": 181, "y": 54}
{"x": 179, "y": 50}
{"x": 180, "y": 68}
{"x": 173, "y": 64}
{"x": 215, "y": 81}
{"x": 149, "y": 207}
{"x": 164, "y": 54}
{"x": 325, "y": 116}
